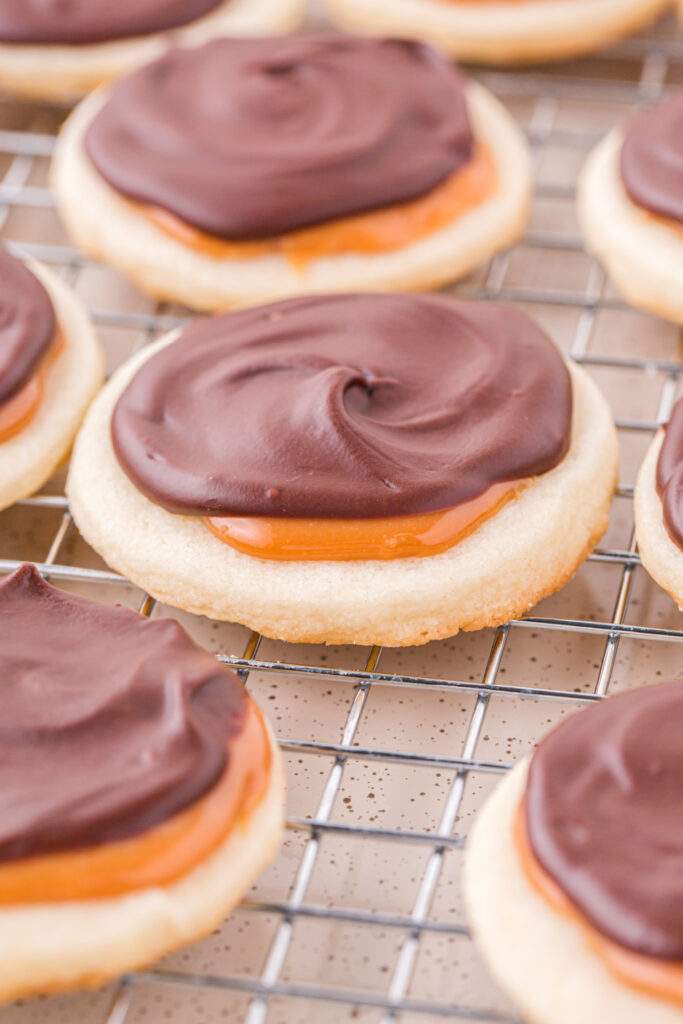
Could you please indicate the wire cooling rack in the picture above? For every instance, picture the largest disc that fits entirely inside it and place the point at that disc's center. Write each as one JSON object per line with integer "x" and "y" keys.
{"x": 391, "y": 753}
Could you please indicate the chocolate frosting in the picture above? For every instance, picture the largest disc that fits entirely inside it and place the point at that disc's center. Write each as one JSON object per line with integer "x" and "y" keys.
{"x": 27, "y": 324}
{"x": 345, "y": 406}
{"x": 670, "y": 475}
{"x": 603, "y": 814}
{"x": 110, "y": 723}
{"x": 652, "y": 158}
{"x": 251, "y": 138}
{"x": 78, "y": 22}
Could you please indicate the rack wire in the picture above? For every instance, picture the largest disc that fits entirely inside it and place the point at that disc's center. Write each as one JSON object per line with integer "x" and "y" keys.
{"x": 554, "y": 106}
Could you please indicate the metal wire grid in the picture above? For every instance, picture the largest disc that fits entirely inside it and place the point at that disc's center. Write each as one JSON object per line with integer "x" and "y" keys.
{"x": 656, "y": 58}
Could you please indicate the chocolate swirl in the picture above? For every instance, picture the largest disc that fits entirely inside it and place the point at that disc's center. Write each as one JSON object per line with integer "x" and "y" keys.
{"x": 344, "y": 406}
{"x": 110, "y": 723}
{"x": 652, "y": 158}
{"x": 670, "y": 475}
{"x": 78, "y": 22}
{"x": 251, "y": 138}
{"x": 27, "y": 325}
{"x": 603, "y": 816}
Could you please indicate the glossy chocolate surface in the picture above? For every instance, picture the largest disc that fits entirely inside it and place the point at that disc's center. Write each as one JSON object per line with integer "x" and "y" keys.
{"x": 670, "y": 475}
{"x": 603, "y": 815}
{"x": 27, "y": 324}
{"x": 79, "y": 22}
{"x": 111, "y": 722}
{"x": 652, "y": 158}
{"x": 251, "y": 138}
{"x": 345, "y": 406}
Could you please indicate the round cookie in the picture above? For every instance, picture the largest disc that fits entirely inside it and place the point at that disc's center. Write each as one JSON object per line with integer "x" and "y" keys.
{"x": 556, "y": 971}
{"x": 641, "y": 249}
{"x": 73, "y": 377}
{"x": 538, "y": 956}
{"x": 82, "y": 944}
{"x": 660, "y": 554}
{"x": 110, "y": 227}
{"x": 523, "y": 31}
{"x": 526, "y": 550}
{"x": 64, "y": 73}
{"x": 54, "y": 944}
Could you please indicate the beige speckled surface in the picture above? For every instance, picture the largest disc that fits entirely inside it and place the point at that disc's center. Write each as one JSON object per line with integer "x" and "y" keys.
{"x": 375, "y": 875}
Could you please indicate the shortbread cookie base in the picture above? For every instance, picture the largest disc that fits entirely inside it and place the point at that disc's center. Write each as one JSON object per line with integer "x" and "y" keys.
{"x": 29, "y": 458}
{"x": 110, "y": 228}
{"x": 525, "y": 551}
{"x": 661, "y": 557}
{"x": 503, "y": 33}
{"x": 540, "y": 958}
{"x": 642, "y": 254}
{"x": 65, "y": 73}
{"x": 60, "y": 946}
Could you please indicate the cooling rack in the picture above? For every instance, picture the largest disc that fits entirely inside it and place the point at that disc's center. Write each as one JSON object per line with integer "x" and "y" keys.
{"x": 391, "y": 753}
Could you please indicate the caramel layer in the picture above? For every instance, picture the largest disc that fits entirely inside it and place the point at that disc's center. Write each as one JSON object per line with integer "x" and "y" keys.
{"x": 660, "y": 978}
{"x": 345, "y": 540}
{"x": 381, "y": 230}
{"x": 19, "y": 410}
{"x": 664, "y": 222}
{"x": 163, "y": 854}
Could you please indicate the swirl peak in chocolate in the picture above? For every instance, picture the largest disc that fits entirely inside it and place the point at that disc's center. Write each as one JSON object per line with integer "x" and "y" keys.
{"x": 79, "y": 22}
{"x": 670, "y": 475}
{"x": 344, "y": 406}
{"x": 603, "y": 816}
{"x": 652, "y": 158}
{"x": 250, "y": 138}
{"x": 111, "y": 723}
{"x": 27, "y": 324}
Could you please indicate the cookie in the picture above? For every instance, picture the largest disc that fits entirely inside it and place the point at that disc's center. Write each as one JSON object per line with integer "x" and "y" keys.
{"x": 630, "y": 208}
{"x": 569, "y": 879}
{"x": 127, "y": 831}
{"x": 349, "y": 469}
{"x": 50, "y": 53}
{"x": 484, "y": 31}
{"x": 294, "y": 183}
{"x": 658, "y": 507}
{"x": 51, "y": 366}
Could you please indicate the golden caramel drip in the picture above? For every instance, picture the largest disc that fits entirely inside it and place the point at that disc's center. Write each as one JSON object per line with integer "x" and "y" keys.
{"x": 344, "y": 540}
{"x": 660, "y": 978}
{"x": 381, "y": 230}
{"x": 19, "y": 410}
{"x": 162, "y": 855}
{"x": 662, "y": 221}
